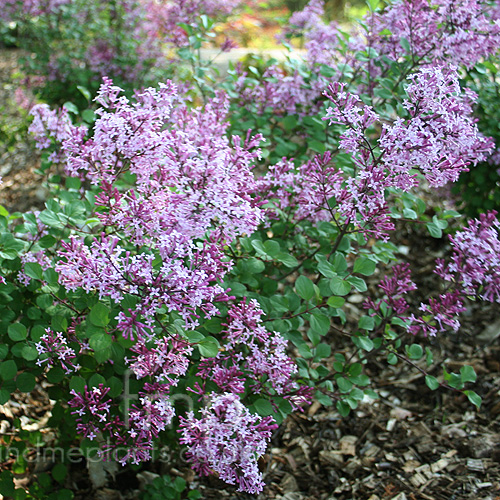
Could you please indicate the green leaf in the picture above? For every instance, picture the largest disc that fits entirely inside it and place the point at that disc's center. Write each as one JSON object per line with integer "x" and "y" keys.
{"x": 405, "y": 44}
{"x": 4, "y": 397}
{"x": 4, "y": 350}
{"x": 287, "y": 259}
{"x": 96, "y": 380}
{"x": 344, "y": 384}
{"x": 392, "y": 359}
{"x": 25, "y": 382}
{"x": 8, "y": 369}
{"x": 358, "y": 283}
{"x": 314, "y": 337}
{"x": 77, "y": 384}
{"x": 320, "y": 323}
{"x": 343, "y": 408}
{"x": 338, "y": 286}
{"x": 51, "y": 219}
{"x": 59, "y": 472}
{"x": 304, "y": 287}
{"x": 289, "y": 122}
{"x": 89, "y": 116}
{"x": 326, "y": 269}
{"x": 17, "y": 332}
{"x": 431, "y": 382}
{"x": 51, "y": 277}
{"x": 415, "y": 351}
{"x": 264, "y": 407}
{"x": 335, "y": 302}
{"x": 99, "y": 315}
{"x": 33, "y": 270}
{"x": 10, "y": 246}
{"x": 179, "y": 484}
{"x": 434, "y": 230}
{"x": 254, "y": 265}
{"x": 55, "y": 375}
{"x": 366, "y": 323}
{"x": 272, "y": 248}
{"x": 364, "y": 266}
{"x": 468, "y": 374}
{"x": 209, "y": 347}
{"x": 317, "y": 146}
{"x": 323, "y": 399}
{"x": 429, "y": 358}
{"x": 305, "y": 351}
{"x": 70, "y": 107}
{"x": 6, "y": 484}
{"x": 85, "y": 92}
{"x": 363, "y": 342}
{"x": 100, "y": 341}
{"x": 323, "y": 351}
{"x": 474, "y": 398}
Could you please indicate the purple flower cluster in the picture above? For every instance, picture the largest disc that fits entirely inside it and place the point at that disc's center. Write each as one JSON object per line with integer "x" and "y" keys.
{"x": 227, "y": 439}
{"x": 130, "y": 441}
{"x": 92, "y": 408}
{"x": 51, "y": 127}
{"x": 191, "y": 181}
{"x": 252, "y": 354}
{"x": 113, "y": 272}
{"x": 439, "y": 315}
{"x": 165, "y": 362}
{"x": 395, "y": 288}
{"x": 10, "y": 9}
{"x": 167, "y": 16}
{"x": 475, "y": 262}
{"x": 472, "y": 271}
{"x": 321, "y": 39}
{"x": 53, "y": 349}
{"x": 285, "y": 91}
{"x": 440, "y": 137}
{"x": 443, "y": 30}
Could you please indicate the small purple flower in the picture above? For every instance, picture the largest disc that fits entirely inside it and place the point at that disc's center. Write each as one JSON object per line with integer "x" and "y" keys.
{"x": 53, "y": 349}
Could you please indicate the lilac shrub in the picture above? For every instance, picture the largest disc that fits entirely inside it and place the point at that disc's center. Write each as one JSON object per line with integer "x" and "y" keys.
{"x": 169, "y": 193}
{"x": 75, "y": 43}
{"x": 179, "y": 261}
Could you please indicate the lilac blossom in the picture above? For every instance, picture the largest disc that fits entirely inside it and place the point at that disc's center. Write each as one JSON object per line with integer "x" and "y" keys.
{"x": 321, "y": 39}
{"x": 92, "y": 409}
{"x": 227, "y": 439}
{"x": 285, "y": 91}
{"x": 112, "y": 272}
{"x": 473, "y": 270}
{"x": 439, "y": 315}
{"x": 51, "y": 127}
{"x": 11, "y": 9}
{"x": 39, "y": 257}
{"x": 445, "y": 30}
{"x": 129, "y": 441}
{"x": 165, "y": 362}
{"x": 53, "y": 349}
{"x": 168, "y": 15}
{"x": 187, "y": 181}
{"x": 251, "y": 353}
{"x": 440, "y": 138}
{"x": 475, "y": 261}
{"x": 395, "y": 289}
